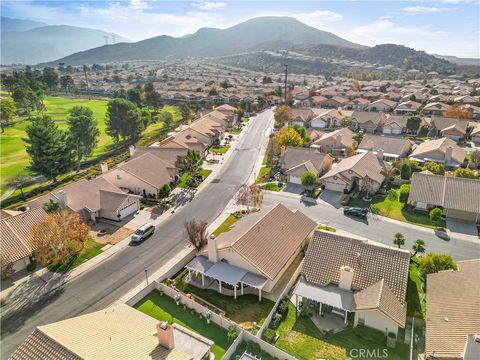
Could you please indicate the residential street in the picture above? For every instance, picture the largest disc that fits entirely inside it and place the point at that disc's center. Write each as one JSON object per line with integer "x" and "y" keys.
{"x": 378, "y": 228}
{"x": 109, "y": 280}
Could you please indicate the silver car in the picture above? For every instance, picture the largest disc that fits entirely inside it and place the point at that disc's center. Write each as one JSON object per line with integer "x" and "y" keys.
{"x": 143, "y": 232}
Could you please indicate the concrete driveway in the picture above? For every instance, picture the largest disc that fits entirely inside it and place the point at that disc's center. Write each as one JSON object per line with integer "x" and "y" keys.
{"x": 293, "y": 188}
{"x": 333, "y": 198}
{"x": 461, "y": 227}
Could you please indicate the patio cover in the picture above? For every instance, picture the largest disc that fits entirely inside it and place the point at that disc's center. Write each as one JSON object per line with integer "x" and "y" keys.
{"x": 227, "y": 273}
{"x": 200, "y": 264}
{"x": 254, "y": 280}
{"x": 330, "y": 295}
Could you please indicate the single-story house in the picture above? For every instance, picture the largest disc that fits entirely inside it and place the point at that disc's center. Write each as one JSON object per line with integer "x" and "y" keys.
{"x": 473, "y": 110}
{"x": 458, "y": 197}
{"x": 142, "y": 175}
{"x": 368, "y": 121}
{"x": 453, "y": 319}
{"x": 16, "y": 240}
{"x": 255, "y": 253}
{"x": 407, "y": 107}
{"x": 93, "y": 199}
{"x": 343, "y": 275}
{"x": 328, "y": 118}
{"x": 444, "y": 151}
{"x": 394, "y": 125}
{"x": 172, "y": 155}
{"x": 475, "y": 133}
{"x": 354, "y": 171}
{"x": 391, "y": 147}
{"x": 335, "y": 102}
{"x": 302, "y": 117}
{"x": 358, "y": 104}
{"x": 334, "y": 142}
{"x": 382, "y": 105}
{"x": 435, "y": 109}
{"x": 230, "y": 112}
{"x": 452, "y": 128}
{"x": 296, "y": 161}
{"x": 467, "y": 99}
{"x": 317, "y": 100}
{"x": 119, "y": 332}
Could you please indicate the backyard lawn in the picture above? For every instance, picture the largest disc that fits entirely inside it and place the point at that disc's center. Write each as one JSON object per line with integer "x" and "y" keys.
{"x": 91, "y": 250}
{"x": 273, "y": 186}
{"x": 244, "y": 309}
{"x": 302, "y": 339}
{"x": 163, "y": 308}
{"x": 395, "y": 209}
{"x": 226, "y": 225}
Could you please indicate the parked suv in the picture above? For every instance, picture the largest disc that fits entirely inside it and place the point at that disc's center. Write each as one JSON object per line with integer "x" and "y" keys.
{"x": 143, "y": 232}
{"x": 355, "y": 211}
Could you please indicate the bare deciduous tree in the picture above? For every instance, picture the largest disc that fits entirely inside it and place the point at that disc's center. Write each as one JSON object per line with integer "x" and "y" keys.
{"x": 249, "y": 195}
{"x": 197, "y": 233}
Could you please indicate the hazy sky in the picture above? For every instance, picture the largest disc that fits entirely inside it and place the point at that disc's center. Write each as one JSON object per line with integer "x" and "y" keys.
{"x": 450, "y": 27}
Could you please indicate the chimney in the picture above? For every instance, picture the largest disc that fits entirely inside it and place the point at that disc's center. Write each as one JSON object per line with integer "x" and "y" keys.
{"x": 346, "y": 277}
{"x": 212, "y": 249}
{"x": 165, "y": 335}
{"x": 131, "y": 149}
{"x": 104, "y": 167}
{"x": 448, "y": 154}
{"x": 62, "y": 195}
{"x": 380, "y": 154}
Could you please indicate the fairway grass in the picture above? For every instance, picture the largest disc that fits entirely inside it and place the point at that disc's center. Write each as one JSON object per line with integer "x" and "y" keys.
{"x": 14, "y": 158}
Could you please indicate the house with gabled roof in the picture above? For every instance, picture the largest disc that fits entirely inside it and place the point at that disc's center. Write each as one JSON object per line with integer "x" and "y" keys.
{"x": 394, "y": 125}
{"x": 334, "y": 142}
{"x": 343, "y": 275}
{"x": 296, "y": 161}
{"x": 302, "y": 117}
{"x": 119, "y": 332}
{"x": 452, "y": 128}
{"x": 435, "y": 109}
{"x": 368, "y": 121}
{"x": 382, "y": 105}
{"x": 16, "y": 241}
{"x": 407, "y": 107}
{"x": 444, "y": 151}
{"x": 391, "y": 148}
{"x": 254, "y": 253}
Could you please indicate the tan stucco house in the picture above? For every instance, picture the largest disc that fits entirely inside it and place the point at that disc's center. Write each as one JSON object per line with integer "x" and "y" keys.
{"x": 334, "y": 142}
{"x": 296, "y": 161}
{"x": 444, "y": 151}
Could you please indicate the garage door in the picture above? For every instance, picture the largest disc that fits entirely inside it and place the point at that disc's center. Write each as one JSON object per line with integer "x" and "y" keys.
{"x": 295, "y": 179}
{"x": 130, "y": 209}
{"x": 396, "y": 131}
{"x": 462, "y": 215}
{"x": 387, "y": 130}
{"x": 334, "y": 186}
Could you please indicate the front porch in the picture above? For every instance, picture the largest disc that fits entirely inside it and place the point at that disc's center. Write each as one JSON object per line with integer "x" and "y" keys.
{"x": 225, "y": 278}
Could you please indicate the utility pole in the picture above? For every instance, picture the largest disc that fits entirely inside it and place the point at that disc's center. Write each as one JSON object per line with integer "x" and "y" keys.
{"x": 86, "y": 80}
{"x": 286, "y": 76}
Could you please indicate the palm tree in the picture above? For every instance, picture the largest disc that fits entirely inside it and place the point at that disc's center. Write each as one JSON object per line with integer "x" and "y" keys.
{"x": 399, "y": 239}
{"x": 418, "y": 247}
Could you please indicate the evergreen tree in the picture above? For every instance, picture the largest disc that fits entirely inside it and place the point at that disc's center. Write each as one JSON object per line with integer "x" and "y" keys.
{"x": 48, "y": 148}
{"x": 83, "y": 132}
{"x": 124, "y": 120}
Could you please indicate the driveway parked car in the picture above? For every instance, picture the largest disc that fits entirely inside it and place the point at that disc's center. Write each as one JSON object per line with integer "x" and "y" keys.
{"x": 143, "y": 232}
{"x": 355, "y": 211}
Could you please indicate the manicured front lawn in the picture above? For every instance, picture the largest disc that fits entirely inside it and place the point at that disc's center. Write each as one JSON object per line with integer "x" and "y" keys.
{"x": 186, "y": 176}
{"x": 91, "y": 250}
{"x": 264, "y": 174}
{"x": 326, "y": 228}
{"x": 415, "y": 296}
{"x": 273, "y": 186}
{"x": 219, "y": 150}
{"x": 244, "y": 309}
{"x": 302, "y": 339}
{"x": 226, "y": 225}
{"x": 163, "y": 308}
{"x": 395, "y": 209}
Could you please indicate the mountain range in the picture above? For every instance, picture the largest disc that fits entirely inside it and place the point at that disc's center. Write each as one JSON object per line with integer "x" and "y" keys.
{"x": 262, "y": 33}
{"x": 31, "y": 42}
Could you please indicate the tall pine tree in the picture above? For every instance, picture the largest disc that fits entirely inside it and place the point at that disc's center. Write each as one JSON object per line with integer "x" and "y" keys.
{"x": 48, "y": 147}
{"x": 124, "y": 120}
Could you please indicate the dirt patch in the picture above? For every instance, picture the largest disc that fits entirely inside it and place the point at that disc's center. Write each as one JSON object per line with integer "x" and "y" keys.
{"x": 105, "y": 233}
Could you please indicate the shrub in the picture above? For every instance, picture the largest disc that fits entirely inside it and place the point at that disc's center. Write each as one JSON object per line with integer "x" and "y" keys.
{"x": 435, "y": 215}
{"x": 345, "y": 200}
{"x": 283, "y": 306}
{"x": 276, "y": 320}
{"x": 404, "y": 192}
{"x": 405, "y": 172}
{"x": 269, "y": 335}
{"x": 392, "y": 195}
{"x": 432, "y": 263}
{"x": 31, "y": 266}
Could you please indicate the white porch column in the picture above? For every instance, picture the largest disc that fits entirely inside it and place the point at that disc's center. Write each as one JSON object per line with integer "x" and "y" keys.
{"x": 203, "y": 280}
{"x": 220, "y": 286}
{"x": 235, "y": 292}
{"x": 190, "y": 274}
{"x": 259, "y": 294}
{"x": 241, "y": 288}
{"x": 319, "y": 308}
{"x": 346, "y": 313}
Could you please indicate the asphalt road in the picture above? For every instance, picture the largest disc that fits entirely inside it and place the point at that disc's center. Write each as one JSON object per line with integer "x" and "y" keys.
{"x": 378, "y": 228}
{"x": 117, "y": 275}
